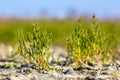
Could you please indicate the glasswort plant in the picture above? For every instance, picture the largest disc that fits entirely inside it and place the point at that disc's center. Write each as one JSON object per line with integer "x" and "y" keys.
{"x": 87, "y": 43}
{"x": 35, "y": 48}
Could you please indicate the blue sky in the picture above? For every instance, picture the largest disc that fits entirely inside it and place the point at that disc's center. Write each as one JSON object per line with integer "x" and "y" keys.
{"x": 59, "y": 7}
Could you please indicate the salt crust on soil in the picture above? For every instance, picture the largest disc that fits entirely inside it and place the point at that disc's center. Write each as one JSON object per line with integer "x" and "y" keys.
{"x": 89, "y": 71}
{"x": 16, "y": 69}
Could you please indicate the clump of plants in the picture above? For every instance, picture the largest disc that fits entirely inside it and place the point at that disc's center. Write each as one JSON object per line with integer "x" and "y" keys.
{"x": 88, "y": 42}
{"x": 35, "y": 47}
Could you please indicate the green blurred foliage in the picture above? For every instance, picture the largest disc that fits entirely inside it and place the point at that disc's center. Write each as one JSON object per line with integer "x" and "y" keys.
{"x": 9, "y": 29}
{"x": 60, "y": 29}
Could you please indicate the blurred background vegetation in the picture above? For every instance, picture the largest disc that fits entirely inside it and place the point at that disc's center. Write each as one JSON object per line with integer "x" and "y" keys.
{"x": 9, "y": 29}
{"x": 58, "y": 17}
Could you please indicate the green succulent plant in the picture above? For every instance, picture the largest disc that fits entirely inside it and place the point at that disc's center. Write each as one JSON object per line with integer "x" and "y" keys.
{"x": 35, "y": 48}
{"x": 88, "y": 43}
